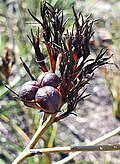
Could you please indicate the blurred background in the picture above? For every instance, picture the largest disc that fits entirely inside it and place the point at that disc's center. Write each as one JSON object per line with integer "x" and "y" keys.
{"x": 96, "y": 115}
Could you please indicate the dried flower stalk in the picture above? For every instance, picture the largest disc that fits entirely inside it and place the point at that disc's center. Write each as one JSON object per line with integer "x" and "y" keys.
{"x": 69, "y": 51}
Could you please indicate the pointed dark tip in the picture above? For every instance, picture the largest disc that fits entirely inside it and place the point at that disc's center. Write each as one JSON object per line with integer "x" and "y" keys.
{"x": 11, "y": 90}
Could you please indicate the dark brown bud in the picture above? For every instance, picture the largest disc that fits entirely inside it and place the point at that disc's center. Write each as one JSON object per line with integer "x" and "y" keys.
{"x": 48, "y": 79}
{"x": 48, "y": 99}
{"x": 27, "y": 93}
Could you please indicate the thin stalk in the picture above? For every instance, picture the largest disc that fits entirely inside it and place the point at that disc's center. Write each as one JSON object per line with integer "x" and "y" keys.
{"x": 95, "y": 142}
{"x": 68, "y": 149}
{"x": 76, "y": 149}
{"x": 34, "y": 140}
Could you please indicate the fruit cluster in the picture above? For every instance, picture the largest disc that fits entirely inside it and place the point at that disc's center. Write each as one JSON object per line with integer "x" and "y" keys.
{"x": 42, "y": 93}
{"x": 68, "y": 52}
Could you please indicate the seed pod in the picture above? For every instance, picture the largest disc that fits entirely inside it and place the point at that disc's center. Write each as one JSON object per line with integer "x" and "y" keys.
{"x": 48, "y": 99}
{"x": 48, "y": 79}
{"x": 27, "y": 93}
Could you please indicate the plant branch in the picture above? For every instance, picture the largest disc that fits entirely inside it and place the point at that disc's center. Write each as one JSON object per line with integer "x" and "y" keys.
{"x": 28, "y": 152}
{"x": 75, "y": 148}
{"x": 95, "y": 142}
{"x": 34, "y": 140}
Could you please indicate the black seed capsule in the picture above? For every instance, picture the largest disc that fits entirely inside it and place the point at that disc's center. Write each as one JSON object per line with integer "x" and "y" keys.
{"x": 27, "y": 93}
{"x": 48, "y": 99}
{"x": 48, "y": 79}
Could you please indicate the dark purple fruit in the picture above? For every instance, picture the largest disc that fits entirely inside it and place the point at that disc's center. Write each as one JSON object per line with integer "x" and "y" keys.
{"x": 48, "y": 79}
{"x": 27, "y": 93}
{"x": 48, "y": 99}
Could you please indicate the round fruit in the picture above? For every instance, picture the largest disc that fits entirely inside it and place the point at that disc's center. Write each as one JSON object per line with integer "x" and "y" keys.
{"x": 48, "y": 79}
{"x": 48, "y": 99}
{"x": 28, "y": 90}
